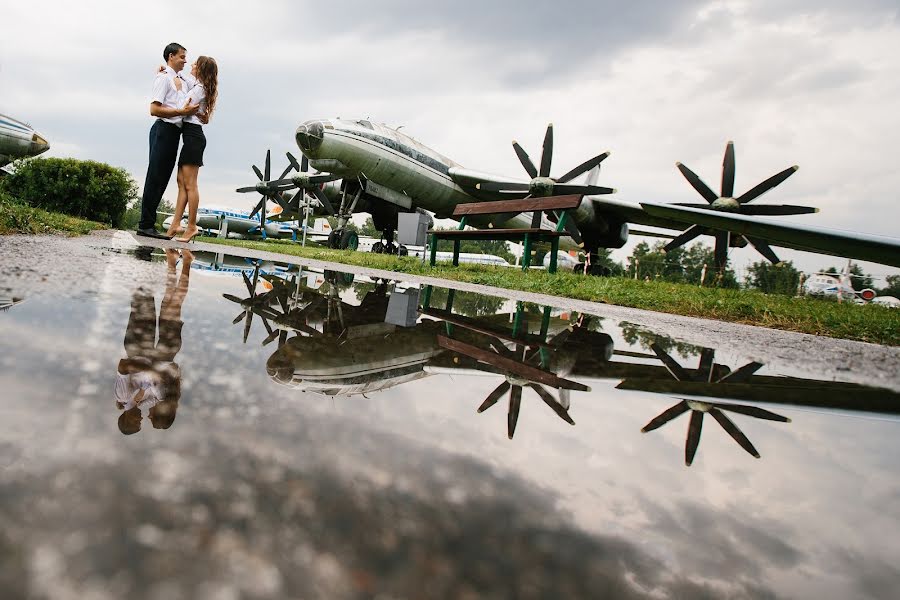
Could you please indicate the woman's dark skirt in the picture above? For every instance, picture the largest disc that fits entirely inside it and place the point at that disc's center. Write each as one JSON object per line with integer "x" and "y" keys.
{"x": 193, "y": 143}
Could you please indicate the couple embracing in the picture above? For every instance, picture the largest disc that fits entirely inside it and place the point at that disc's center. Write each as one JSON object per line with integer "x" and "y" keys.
{"x": 182, "y": 102}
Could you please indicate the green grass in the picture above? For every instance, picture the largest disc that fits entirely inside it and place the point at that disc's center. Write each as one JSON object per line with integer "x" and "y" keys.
{"x": 869, "y": 323}
{"x": 16, "y": 217}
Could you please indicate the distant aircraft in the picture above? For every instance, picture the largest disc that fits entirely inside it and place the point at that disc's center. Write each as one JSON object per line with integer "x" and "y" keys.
{"x": 19, "y": 140}
{"x": 235, "y": 223}
{"x": 385, "y": 172}
{"x": 838, "y": 285}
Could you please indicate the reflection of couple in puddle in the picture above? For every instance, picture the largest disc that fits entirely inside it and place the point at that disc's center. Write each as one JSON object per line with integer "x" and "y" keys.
{"x": 148, "y": 381}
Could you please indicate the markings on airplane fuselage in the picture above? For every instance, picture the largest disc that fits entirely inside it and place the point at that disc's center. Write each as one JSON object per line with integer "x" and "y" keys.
{"x": 411, "y": 154}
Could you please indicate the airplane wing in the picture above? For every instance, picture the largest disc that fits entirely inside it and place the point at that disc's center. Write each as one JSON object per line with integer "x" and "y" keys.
{"x": 861, "y": 246}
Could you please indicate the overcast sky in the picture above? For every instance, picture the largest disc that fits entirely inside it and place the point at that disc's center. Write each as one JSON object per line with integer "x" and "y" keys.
{"x": 813, "y": 83}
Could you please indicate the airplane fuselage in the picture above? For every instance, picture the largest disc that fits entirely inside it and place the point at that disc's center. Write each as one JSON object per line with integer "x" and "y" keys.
{"x": 19, "y": 140}
{"x": 412, "y": 173}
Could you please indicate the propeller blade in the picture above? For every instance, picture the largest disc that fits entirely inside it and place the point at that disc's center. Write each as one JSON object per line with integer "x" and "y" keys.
{"x": 286, "y": 171}
{"x": 509, "y": 186}
{"x": 583, "y": 168}
{"x": 320, "y": 195}
{"x": 547, "y": 152}
{"x": 494, "y": 396}
{"x": 764, "y": 248}
{"x": 728, "y": 171}
{"x": 753, "y": 411}
{"x": 742, "y": 374}
{"x": 304, "y": 162}
{"x": 550, "y": 401}
{"x": 686, "y": 236}
{"x": 250, "y": 287}
{"x": 697, "y": 183}
{"x": 232, "y": 297}
{"x": 323, "y": 178}
{"x": 733, "y": 430}
{"x": 244, "y": 190}
{"x": 666, "y": 416}
{"x": 763, "y": 210}
{"x": 271, "y": 337}
{"x": 693, "y": 437}
{"x": 676, "y": 370}
{"x": 525, "y": 160}
{"x": 258, "y": 206}
{"x": 515, "y": 402}
{"x": 268, "y": 170}
{"x": 247, "y": 326}
{"x": 239, "y": 317}
{"x": 704, "y": 372}
{"x": 564, "y": 189}
{"x": 767, "y": 185}
{"x": 572, "y": 229}
{"x": 293, "y": 161}
{"x": 722, "y": 240}
{"x": 258, "y": 172}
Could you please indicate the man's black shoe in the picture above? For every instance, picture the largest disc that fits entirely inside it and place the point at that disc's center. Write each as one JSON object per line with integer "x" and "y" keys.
{"x": 152, "y": 233}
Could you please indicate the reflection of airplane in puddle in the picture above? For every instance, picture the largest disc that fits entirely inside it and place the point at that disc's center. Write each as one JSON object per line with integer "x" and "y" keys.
{"x": 330, "y": 345}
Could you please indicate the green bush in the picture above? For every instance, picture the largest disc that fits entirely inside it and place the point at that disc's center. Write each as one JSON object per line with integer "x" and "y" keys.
{"x": 80, "y": 188}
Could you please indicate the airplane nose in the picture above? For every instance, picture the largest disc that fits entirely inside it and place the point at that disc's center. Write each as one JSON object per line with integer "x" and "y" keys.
{"x": 280, "y": 368}
{"x": 38, "y": 144}
{"x": 309, "y": 135}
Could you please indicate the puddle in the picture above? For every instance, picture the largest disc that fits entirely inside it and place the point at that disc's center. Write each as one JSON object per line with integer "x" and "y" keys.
{"x": 215, "y": 426}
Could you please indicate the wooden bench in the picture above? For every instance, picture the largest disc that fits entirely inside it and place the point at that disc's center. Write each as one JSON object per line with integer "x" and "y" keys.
{"x": 527, "y": 236}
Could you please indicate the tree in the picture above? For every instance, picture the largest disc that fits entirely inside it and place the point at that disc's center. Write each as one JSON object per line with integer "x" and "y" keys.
{"x": 892, "y": 288}
{"x": 772, "y": 279}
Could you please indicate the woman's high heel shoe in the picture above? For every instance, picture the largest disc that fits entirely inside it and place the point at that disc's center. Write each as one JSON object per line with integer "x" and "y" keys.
{"x": 188, "y": 239}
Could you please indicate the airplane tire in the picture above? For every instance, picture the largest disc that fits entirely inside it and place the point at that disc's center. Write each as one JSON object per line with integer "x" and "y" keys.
{"x": 349, "y": 240}
{"x": 378, "y": 247}
{"x": 333, "y": 239}
{"x": 402, "y": 251}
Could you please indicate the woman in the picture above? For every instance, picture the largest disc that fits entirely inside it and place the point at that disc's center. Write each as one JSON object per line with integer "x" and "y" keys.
{"x": 201, "y": 87}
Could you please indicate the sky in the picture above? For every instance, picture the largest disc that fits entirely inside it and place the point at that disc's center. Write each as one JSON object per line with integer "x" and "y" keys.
{"x": 812, "y": 83}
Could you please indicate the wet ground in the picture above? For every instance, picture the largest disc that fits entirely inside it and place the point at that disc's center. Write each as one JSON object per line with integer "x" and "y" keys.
{"x": 210, "y": 426}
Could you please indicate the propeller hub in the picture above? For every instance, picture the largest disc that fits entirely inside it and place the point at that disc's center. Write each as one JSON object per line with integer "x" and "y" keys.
{"x": 309, "y": 135}
{"x": 726, "y": 204}
{"x": 300, "y": 180}
{"x": 541, "y": 187}
{"x": 262, "y": 187}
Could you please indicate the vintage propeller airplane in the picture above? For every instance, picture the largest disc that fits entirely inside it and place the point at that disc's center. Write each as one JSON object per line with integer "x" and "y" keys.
{"x": 19, "y": 140}
{"x": 384, "y": 172}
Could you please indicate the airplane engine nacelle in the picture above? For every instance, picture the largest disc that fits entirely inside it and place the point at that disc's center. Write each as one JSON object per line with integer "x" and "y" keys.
{"x": 615, "y": 236}
{"x": 867, "y": 294}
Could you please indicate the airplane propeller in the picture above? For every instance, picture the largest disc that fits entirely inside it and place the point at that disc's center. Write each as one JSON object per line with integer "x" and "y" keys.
{"x": 542, "y": 185}
{"x": 698, "y": 409}
{"x": 728, "y": 203}
{"x": 253, "y": 305}
{"x": 267, "y": 189}
{"x": 306, "y": 182}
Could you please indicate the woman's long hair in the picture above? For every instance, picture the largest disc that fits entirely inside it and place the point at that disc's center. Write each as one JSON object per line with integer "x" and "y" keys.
{"x": 208, "y": 75}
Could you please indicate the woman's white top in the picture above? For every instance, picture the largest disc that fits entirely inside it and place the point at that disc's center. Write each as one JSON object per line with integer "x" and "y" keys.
{"x": 192, "y": 90}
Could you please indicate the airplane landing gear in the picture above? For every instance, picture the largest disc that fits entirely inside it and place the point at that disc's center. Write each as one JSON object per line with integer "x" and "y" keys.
{"x": 388, "y": 246}
{"x": 343, "y": 239}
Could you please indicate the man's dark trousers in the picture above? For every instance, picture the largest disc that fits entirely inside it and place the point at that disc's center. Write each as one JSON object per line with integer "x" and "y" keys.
{"x": 164, "y": 138}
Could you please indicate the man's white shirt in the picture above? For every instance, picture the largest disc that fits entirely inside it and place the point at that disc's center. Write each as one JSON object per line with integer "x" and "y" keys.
{"x": 165, "y": 92}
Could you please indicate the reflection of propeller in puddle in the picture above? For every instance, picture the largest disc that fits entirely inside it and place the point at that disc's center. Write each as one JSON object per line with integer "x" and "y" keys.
{"x": 715, "y": 409}
{"x": 512, "y": 365}
{"x": 707, "y": 370}
{"x": 253, "y": 304}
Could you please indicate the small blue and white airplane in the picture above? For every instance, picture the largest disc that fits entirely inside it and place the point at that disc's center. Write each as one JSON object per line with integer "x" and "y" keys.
{"x": 19, "y": 140}
{"x": 236, "y": 223}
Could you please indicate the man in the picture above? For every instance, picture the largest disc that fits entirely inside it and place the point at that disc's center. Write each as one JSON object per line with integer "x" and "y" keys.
{"x": 165, "y": 105}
